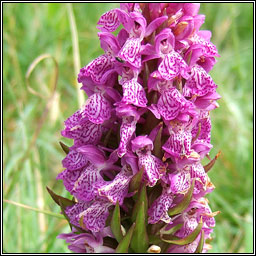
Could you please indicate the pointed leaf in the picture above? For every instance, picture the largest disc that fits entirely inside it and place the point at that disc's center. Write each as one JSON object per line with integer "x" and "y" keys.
{"x": 64, "y": 147}
{"x": 136, "y": 181}
{"x": 200, "y": 244}
{"x": 65, "y": 215}
{"x": 141, "y": 198}
{"x": 57, "y": 199}
{"x": 188, "y": 239}
{"x": 139, "y": 242}
{"x": 125, "y": 242}
{"x": 172, "y": 230}
{"x": 184, "y": 203}
{"x": 116, "y": 223}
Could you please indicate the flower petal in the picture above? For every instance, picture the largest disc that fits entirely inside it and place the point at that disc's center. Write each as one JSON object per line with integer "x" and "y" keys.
{"x": 173, "y": 65}
{"x": 133, "y": 93}
{"x": 93, "y": 154}
{"x": 180, "y": 181}
{"x": 197, "y": 171}
{"x": 97, "y": 70}
{"x": 141, "y": 142}
{"x": 199, "y": 83}
{"x": 154, "y": 25}
{"x": 171, "y": 103}
{"x": 97, "y": 108}
{"x": 158, "y": 211}
{"x": 179, "y": 144}
{"x": 85, "y": 133}
{"x": 127, "y": 129}
{"x": 151, "y": 172}
{"x": 85, "y": 187}
{"x": 73, "y": 211}
{"x": 117, "y": 189}
{"x": 95, "y": 216}
{"x": 74, "y": 160}
{"x": 69, "y": 178}
{"x": 109, "y": 21}
{"x": 130, "y": 52}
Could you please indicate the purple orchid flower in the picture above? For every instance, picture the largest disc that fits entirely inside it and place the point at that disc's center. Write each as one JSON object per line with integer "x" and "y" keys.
{"x": 141, "y": 135}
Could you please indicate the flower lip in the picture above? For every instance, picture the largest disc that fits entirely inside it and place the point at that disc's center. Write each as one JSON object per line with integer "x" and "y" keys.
{"x": 123, "y": 110}
{"x": 142, "y": 142}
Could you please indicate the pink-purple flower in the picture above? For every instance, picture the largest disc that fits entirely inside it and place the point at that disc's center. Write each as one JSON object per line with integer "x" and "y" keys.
{"x": 148, "y": 111}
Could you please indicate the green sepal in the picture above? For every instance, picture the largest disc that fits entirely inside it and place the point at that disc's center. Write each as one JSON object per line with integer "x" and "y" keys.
{"x": 136, "y": 181}
{"x": 209, "y": 166}
{"x": 64, "y": 147}
{"x": 139, "y": 242}
{"x": 141, "y": 198}
{"x": 116, "y": 223}
{"x": 57, "y": 199}
{"x": 200, "y": 244}
{"x": 172, "y": 230}
{"x": 188, "y": 239}
{"x": 125, "y": 242}
{"x": 184, "y": 203}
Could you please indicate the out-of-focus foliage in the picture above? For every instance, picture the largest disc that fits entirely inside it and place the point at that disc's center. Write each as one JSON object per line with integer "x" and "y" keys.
{"x": 31, "y": 29}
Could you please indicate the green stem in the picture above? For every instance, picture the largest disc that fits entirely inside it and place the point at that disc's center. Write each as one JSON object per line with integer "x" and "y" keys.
{"x": 76, "y": 55}
{"x": 57, "y": 215}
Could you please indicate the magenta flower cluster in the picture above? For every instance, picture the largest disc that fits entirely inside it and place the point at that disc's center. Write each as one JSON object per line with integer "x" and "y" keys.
{"x": 149, "y": 98}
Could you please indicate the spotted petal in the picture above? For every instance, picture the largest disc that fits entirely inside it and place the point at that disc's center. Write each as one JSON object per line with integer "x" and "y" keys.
{"x": 179, "y": 144}
{"x": 95, "y": 216}
{"x": 133, "y": 93}
{"x": 205, "y": 130}
{"x": 69, "y": 178}
{"x": 210, "y": 49}
{"x": 199, "y": 83}
{"x": 97, "y": 108}
{"x": 172, "y": 66}
{"x": 109, "y": 21}
{"x": 171, "y": 103}
{"x": 127, "y": 130}
{"x": 117, "y": 189}
{"x": 85, "y": 187}
{"x": 197, "y": 171}
{"x": 97, "y": 70}
{"x": 74, "y": 160}
{"x": 130, "y": 52}
{"x": 151, "y": 171}
{"x": 159, "y": 209}
{"x": 85, "y": 133}
{"x": 73, "y": 212}
{"x": 180, "y": 181}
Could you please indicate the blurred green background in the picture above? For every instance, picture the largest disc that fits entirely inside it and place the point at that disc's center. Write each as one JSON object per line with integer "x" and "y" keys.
{"x": 32, "y": 155}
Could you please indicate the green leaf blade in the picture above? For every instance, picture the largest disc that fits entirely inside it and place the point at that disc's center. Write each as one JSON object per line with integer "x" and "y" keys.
{"x": 116, "y": 223}
{"x": 57, "y": 199}
{"x": 188, "y": 239}
{"x": 200, "y": 246}
{"x": 142, "y": 198}
{"x": 184, "y": 203}
{"x": 125, "y": 242}
{"x": 139, "y": 242}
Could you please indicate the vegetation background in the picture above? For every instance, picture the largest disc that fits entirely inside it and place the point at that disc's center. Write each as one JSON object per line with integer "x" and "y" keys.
{"x": 31, "y": 152}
